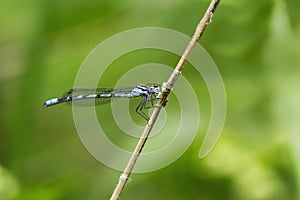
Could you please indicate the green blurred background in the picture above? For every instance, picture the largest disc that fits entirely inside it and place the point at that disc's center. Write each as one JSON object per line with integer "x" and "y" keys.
{"x": 255, "y": 44}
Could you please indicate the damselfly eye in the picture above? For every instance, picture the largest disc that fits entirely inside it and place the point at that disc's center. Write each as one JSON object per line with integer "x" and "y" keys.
{"x": 154, "y": 89}
{"x": 157, "y": 89}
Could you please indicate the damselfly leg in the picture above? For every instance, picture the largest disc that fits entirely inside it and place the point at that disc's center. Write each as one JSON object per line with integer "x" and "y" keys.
{"x": 143, "y": 105}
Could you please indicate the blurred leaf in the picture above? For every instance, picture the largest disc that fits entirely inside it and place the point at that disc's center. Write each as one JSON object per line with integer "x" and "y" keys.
{"x": 9, "y": 186}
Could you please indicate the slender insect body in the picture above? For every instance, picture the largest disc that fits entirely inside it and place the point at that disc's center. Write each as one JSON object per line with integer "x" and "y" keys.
{"x": 90, "y": 97}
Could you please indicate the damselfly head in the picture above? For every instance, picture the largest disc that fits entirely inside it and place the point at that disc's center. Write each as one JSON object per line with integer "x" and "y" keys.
{"x": 154, "y": 88}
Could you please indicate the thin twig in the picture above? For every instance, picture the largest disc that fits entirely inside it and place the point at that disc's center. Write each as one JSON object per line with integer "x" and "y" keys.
{"x": 166, "y": 88}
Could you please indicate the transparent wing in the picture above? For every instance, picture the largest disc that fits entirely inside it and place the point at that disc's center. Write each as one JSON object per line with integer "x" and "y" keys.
{"x": 86, "y": 97}
{"x": 90, "y": 97}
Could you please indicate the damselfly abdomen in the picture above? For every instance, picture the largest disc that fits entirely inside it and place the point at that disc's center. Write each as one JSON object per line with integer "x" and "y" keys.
{"x": 99, "y": 96}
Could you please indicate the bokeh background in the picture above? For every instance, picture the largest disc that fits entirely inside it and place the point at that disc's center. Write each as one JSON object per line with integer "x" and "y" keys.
{"x": 255, "y": 44}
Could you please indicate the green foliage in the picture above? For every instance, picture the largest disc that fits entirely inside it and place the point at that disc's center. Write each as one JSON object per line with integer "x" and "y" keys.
{"x": 256, "y": 47}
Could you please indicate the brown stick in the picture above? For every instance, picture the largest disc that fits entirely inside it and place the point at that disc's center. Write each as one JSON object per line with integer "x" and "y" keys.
{"x": 166, "y": 88}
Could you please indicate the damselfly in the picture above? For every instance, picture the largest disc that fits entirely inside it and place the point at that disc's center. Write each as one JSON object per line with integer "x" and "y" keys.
{"x": 99, "y": 96}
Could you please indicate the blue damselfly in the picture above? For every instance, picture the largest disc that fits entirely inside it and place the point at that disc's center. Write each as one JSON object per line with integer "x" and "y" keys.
{"x": 99, "y": 96}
